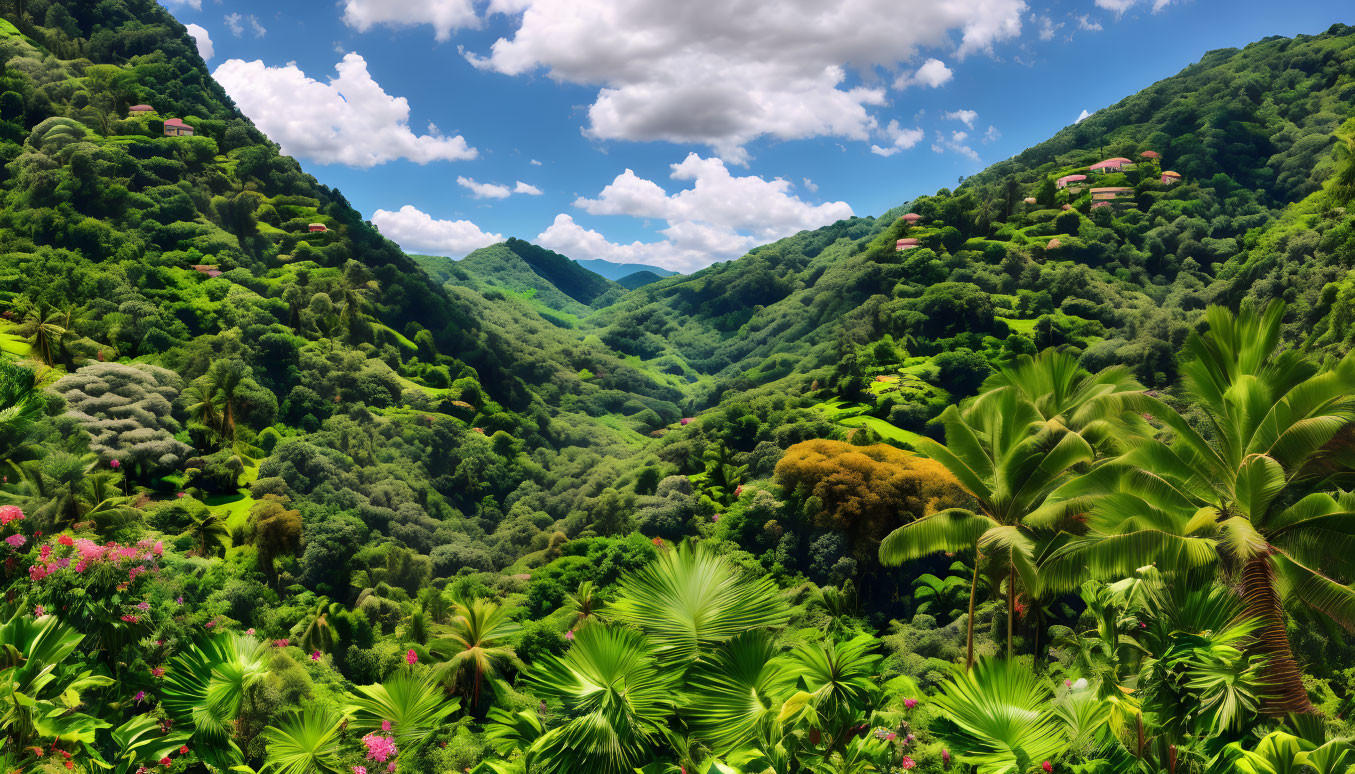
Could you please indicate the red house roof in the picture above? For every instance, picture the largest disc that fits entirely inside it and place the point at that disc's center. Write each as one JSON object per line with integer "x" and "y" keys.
{"x": 140, "y": 108}
{"x": 1115, "y": 162}
{"x": 1170, "y": 173}
{"x": 1151, "y": 155}
{"x": 1066, "y": 179}
{"x": 911, "y": 217}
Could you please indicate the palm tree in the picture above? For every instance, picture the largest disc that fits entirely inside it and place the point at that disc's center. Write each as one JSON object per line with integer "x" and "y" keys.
{"x": 304, "y": 742}
{"x": 1256, "y": 488}
{"x": 1008, "y": 457}
{"x": 205, "y": 687}
{"x": 997, "y": 716}
{"x": 202, "y": 404}
{"x": 21, "y": 405}
{"x": 619, "y": 698}
{"x": 586, "y": 601}
{"x": 413, "y": 705}
{"x": 1343, "y": 182}
{"x": 690, "y": 598}
{"x": 477, "y": 647}
{"x": 46, "y": 325}
{"x": 209, "y": 533}
{"x": 318, "y": 633}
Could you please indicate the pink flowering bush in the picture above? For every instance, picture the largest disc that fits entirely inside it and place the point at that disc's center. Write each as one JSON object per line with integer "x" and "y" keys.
{"x": 380, "y": 748}
{"x": 91, "y": 585}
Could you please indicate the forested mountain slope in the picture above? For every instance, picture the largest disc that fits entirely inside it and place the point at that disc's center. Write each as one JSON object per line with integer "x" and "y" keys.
{"x": 279, "y": 495}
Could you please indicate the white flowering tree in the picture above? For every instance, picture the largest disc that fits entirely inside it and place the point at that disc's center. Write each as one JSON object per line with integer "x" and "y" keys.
{"x": 128, "y": 412}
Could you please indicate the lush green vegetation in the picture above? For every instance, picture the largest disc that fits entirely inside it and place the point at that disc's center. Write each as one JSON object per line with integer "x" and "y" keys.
{"x": 277, "y": 500}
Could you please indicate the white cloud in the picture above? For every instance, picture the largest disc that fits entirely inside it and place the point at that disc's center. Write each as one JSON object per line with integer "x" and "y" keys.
{"x": 535, "y": 163}
{"x": 204, "y": 41}
{"x": 720, "y": 217}
{"x": 194, "y": 4}
{"x": 1082, "y": 116}
{"x": 526, "y": 188}
{"x": 957, "y": 142}
{"x": 417, "y": 231}
{"x": 258, "y": 28}
{"x": 1085, "y": 23}
{"x": 899, "y": 139}
{"x": 967, "y": 117}
{"x": 810, "y": 185}
{"x": 992, "y": 135}
{"x": 443, "y": 15}
{"x": 236, "y": 24}
{"x": 723, "y": 74}
{"x": 932, "y": 73}
{"x": 349, "y": 120}
{"x": 1047, "y": 27}
{"x": 1118, "y": 7}
{"x": 484, "y": 190}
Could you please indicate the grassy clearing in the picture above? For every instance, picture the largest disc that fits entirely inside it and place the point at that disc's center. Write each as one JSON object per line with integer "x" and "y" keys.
{"x": 882, "y": 427}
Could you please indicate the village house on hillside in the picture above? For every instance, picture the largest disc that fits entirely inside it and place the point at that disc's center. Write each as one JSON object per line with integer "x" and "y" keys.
{"x": 139, "y": 110}
{"x": 911, "y": 218}
{"x": 175, "y": 127}
{"x": 1170, "y": 178}
{"x": 1151, "y": 155}
{"x": 316, "y": 228}
{"x": 1111, "y": 165}
{"x": 1067, "y": 180}
{"x": 907, "y": 243}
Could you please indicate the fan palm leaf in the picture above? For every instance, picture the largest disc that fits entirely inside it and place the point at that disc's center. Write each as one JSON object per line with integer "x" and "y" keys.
{"x": 304, "y": 742}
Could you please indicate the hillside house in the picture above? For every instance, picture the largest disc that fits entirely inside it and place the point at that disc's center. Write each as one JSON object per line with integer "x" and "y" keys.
{"x": 1111, "y": 193}
{"x": 1150, "y": 155}
{"x": 175, "y": 127}
{"x": 317, "y": 228}
{"x": 1116, "y": 164}
{"x": 1170, "y": 178}
{"x": 139, "y": 110}
{"x": 911, "y": 218}
{"x": 907, "y": 243}
{"x": 1066, "y": 180}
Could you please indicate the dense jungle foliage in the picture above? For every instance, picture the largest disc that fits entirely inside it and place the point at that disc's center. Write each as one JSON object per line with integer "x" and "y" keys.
{"x": 1014, "y": 478}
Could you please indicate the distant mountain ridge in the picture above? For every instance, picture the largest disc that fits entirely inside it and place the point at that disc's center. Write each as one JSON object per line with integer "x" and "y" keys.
{"x": 616, "y": 271}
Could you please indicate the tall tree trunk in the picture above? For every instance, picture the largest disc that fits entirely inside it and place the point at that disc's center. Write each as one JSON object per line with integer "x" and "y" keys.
{"x": 1284, "y": 682}
{"x": 969, "y": 634}
{"x": 1011, "y": 606}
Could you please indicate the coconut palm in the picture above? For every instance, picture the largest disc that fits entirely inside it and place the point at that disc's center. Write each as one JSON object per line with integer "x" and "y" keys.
{"x": 46, "y": 326}
{"x": 1008, "y": 457}
{"x": 691, "y": 598}
{"x": 203, "y": 405}
{"x": 620, "y": 699}
{"x": 1256, "y": 486}
{"x": 997, "y": 717}
{"x": 477, "y": 648}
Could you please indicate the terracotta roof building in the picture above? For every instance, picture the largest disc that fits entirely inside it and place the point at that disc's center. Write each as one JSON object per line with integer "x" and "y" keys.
{"x": 175, "y": 127}
{"x": 1066, "y": 179}
{"x": 1169, "y": 177}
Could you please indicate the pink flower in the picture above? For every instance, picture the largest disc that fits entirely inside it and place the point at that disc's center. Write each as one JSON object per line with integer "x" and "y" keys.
{"x": 130, "y": 619}
{"x": 37, "y": 572}
{"x": 143, "y": 606}
{"x": 249, "y": 631}
{"x": 907, "y": 763}
{"x": 181, "y": 494}
{"x": 140, "y": 696}
{"x": 158, "y": 671}
{"x": 385, "y": 725}
{"x": 379, "y": 748}
{"x": 16, "y": 541}
{"x": 179, "y": 601}
{"x": 211, "y": 624}
{"x": 1068, "y": 683}
{"x": 281, "y": 643}
{"x": 945, "y": 756}
{"x": 315, "y": 656}
{"x": 411, "y": 657}
{"x": 910, "y": 703}
{"x": 39, "y": 611}
{"x": 569, "y": 635}
{"x": 359, "y": 770}
{"x": 391, "y": 766}
{"x": 65, "y": 540}
{"x": 114, "y": 464}
{"x": 10, "y": 513}
{"x": 715, "y": 517}
{"x": 80, "y": 566}
{"x": 1047, "y": 766}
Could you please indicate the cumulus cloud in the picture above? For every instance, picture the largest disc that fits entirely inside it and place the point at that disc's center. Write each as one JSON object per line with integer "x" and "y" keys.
{"x": 349, "y": 120}
{"x": 957, "y": 142}
{"x": 526, "y": 188}
{"x": 443, "y": 15}
{"x": 484, "y": 190}
{"x": 992, "y": 135}
{"x": 723, "y": 74}
{"x": 534, "y": 163}
{"x": 1082, "y": 116}
{"x": 1047, "y": 27}
{"x": 899, "y": 139}
{"x": 719, "y": 217}
{"x": 967, "y": 117}
{"x": 810, "y": 185}
{"x": 932, "y": 73}
{"x": 417, "y": 231}
{"x": 204, "y": 41}
{"x": 1120, "y": 6}
{"x": 1085, "y": 23}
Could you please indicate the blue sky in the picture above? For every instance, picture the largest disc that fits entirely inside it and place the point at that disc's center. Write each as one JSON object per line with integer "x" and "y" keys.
{"x": 739, "y": 122}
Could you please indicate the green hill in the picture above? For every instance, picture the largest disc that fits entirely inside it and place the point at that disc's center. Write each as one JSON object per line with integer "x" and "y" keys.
{"x": 638, "y": 279}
